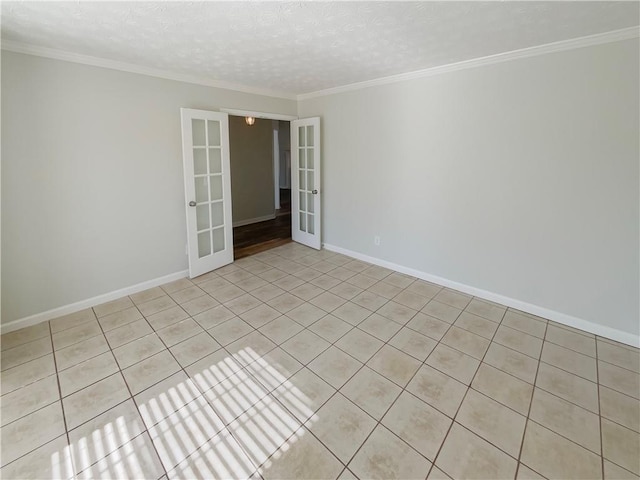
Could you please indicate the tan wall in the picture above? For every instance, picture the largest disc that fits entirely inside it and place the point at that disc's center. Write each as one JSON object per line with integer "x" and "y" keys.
{"x": 251, "y": 150}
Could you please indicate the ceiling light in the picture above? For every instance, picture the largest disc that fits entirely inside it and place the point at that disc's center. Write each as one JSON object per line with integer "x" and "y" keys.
{"x": 250, "y": 120}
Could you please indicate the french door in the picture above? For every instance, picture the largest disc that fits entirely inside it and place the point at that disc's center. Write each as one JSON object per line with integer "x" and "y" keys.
{"x": 207, "y": 185}
{"x": 305, "y": 182}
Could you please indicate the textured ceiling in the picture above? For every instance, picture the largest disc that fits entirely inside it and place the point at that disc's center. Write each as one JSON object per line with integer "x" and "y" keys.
{"x": 301, "y": 47}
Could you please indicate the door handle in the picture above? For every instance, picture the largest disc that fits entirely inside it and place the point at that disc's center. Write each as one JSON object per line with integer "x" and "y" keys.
{"x": 315, "y": 192}
{"x": 192, "y": 203}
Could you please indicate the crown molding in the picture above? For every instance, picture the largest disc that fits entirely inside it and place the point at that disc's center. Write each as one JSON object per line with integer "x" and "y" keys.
{"x": 56, "y": 54}
{"x": 600, "y": 38}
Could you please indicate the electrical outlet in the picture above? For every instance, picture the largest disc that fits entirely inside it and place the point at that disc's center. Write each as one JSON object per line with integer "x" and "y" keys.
{"x": 376, "y": 240}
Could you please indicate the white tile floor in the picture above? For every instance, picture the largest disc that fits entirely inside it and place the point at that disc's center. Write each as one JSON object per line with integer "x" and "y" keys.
{"x": 302, "y": 364}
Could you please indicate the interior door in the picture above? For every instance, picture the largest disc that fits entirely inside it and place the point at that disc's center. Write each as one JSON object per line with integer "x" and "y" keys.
{"x": 207, "y": 186}
{"x": 305, "y": 182}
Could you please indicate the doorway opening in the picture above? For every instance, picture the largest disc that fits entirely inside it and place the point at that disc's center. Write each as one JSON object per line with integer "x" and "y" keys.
{"x": 260, "y": 156}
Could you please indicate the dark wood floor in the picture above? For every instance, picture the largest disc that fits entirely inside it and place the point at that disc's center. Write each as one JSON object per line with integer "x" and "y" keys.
{"x": 262, "y": 236}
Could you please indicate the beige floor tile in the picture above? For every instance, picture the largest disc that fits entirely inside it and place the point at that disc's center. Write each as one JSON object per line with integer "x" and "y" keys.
{"x": 138, "y": 350}
{"x": 242, "y": 304}
{"x": 325, "y": 282}
{"x": 118, "y": 319}
{"x": 305, "y": 346}
{"x": 77, "y": 334}
{"x": 420, "y": 425}
{"x": 571, "y": 340}
{"x": 620, "y": 408}
{"x": 524, "y": 323}
{"x": 26, "y": 373}
{"x": 302, "y": 456}
{"x": 285, "y": 302}
{"x": 327, "y": 301}
{"x": 573, "y": 362}
{"x": 281, "y": 329}
{"x": 556, "y": 457}
{"x": 385, "y": 456}
{"x": 167, "y": 397}
{"x": 226, "y": 294}
{"x": 250, "y": 348}
{"x": 334, "y": 366}
{"x": 525, "y": 473}
{"x": 437, "y": 474}
{"x": 303, "y": 394}
{"x": 466, "y": 342}
{"x": 212, "y": 369}
{"x": 25, "y": 353}
{"x": 380, "y": 327}
{"x": 84, "y": 374}
{"x": 621, "y": 446}
{"x": 213, "y": 284}
{"x": 454, "y": 298}
{"x": 104, "y": 434}
{"x": 112, "y": 306}
{"x": 347, "y": 475}
{"x": 615, "y": 472}
{"x": 438, "y": 390}
{"x": 346, "y": 290}
{"x": 568, "y": 386}
{"x": 213, "y": 317}
{"x": 287, "y": 282}
{"x": 371, "y": 391}
{"x": 263, "y": 428}
{"x": 179, "y": 332}
{"x": 150, "y": 371}
{"x": 489, "y": 310}
{"x": 351, "y": 313}
{"x": 341, "y": 426}
{"x": 619, "y": 379}
{"x": 177, "y": 285}
{"x": 199, "y": 305}
{"x": 128, "y": 333}
{"x": 306, "y": 291}
{"x": 394, "y": 365}
{"x": 91, "y": 401}
{"x": 26, "y": 400}
{"x": 135, "y": 459}
{"x": 476, "y": 324}
{"x": 24, "y": 335}
{"x": 512, "y": 362}
{"x": 307, "y": 274}
{"x": 429, "y": 326}
{"x": 492, "y": 421}
{"x": 274, "y": 368}
{"x": 147, "y": 295}
{"x": 330, "y": 328}
{"x": 221, "y": 457}
{"x": 369, "y": 300}
{"x": 306, "y": 314}
{"x": 230, "y": 331}
{"x": 619, "y": 356}
{"x": 425, "y": 289}
{"x": 454, "y": 363}
{"x": 566, "y": 419}
{"x": 194, "y": 349}
{"x": 441, "y": 311}
{"x": 413, "y": 343}
{"x": 359, "y": 344}
{"x": 504, "y": 388}
{"x": 465, "y": 455}
{"x": 80, "y": 352}
{"x": 411, "y": 300}
{"x": 28, "y": 433}
{"x": 51, "y": 460}
{"x": 267, "y": 292}
{"x": 251, "y": 284}
{"x": 362, "y": 281}
{"x": 397, "y": 312}
{"x": 167, "y": 317}
{"x": 518, "y": 341}
{"x": 72, "y": 320}
{"x": 260, "y": 315}
{"x": 377, "y": 272}
{"x": 235, "y": 395}
{"x": 157, "y": 305}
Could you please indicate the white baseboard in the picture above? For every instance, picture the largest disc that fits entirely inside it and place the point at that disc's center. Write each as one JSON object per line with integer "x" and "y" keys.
{"x": 89, "y": 302}
{"x": 564, "y": 319}
{"x": 249, "y": 221}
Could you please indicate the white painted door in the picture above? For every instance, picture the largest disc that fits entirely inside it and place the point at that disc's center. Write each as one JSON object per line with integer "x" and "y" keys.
{"x": 305, "y": 182}
{"x": 207, "y": 185}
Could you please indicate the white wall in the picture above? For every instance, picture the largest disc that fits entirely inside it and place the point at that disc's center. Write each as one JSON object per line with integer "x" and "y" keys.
{"x": 519, "y": 178}
{"x": 92, "y": 183}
